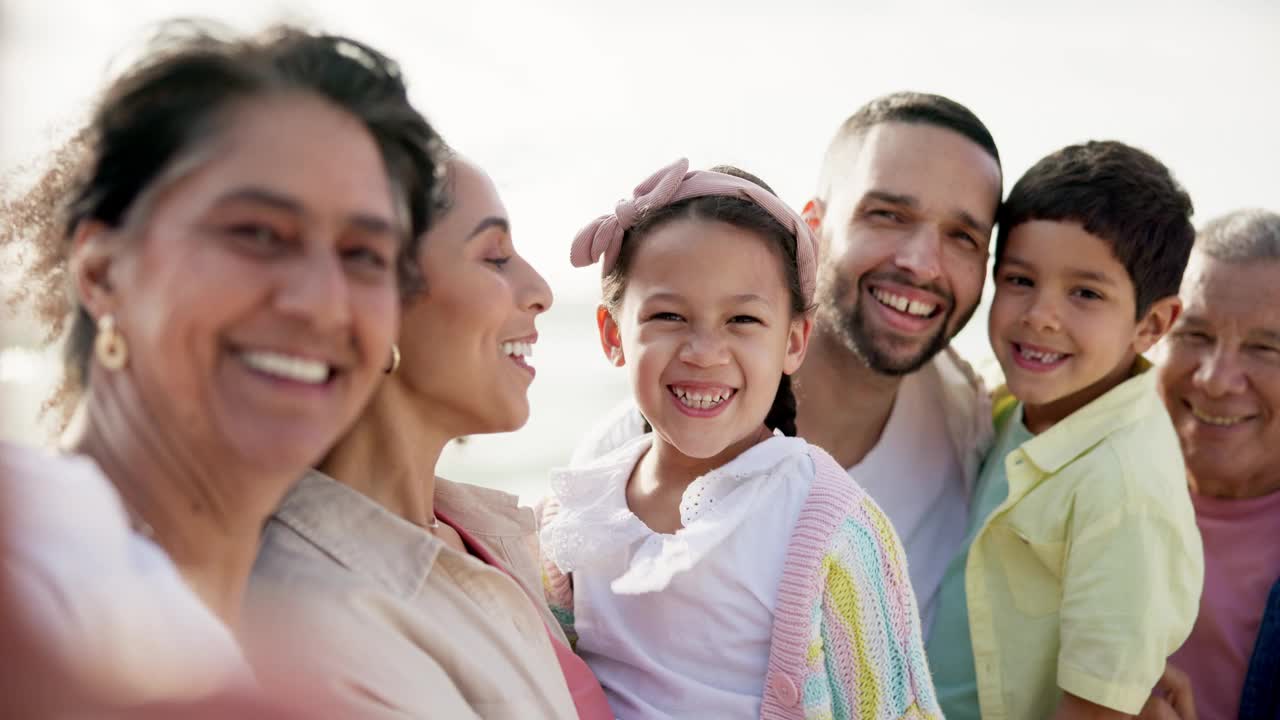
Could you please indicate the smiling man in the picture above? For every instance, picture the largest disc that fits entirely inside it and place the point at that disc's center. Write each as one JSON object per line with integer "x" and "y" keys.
{"x": 905, "y": 206}
{"x": 1221, "y": 383}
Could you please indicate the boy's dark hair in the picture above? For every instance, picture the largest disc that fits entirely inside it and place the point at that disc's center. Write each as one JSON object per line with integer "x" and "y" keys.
{"x": 741, "y": 213}
{"x": 1120, "y": 194}
{"x": 904, "y": 107}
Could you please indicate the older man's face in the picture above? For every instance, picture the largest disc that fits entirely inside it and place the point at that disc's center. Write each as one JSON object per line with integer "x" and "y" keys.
{"x": 1221, "y": 377}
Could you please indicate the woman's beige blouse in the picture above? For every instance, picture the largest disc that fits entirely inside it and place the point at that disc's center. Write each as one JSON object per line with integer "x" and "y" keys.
{"x": 392, "y": 621}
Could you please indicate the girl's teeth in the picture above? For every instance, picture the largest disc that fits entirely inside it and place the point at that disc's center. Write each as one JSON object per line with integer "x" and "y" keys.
{"x": 288, "y": 367}
{"x": 701, "y": 401}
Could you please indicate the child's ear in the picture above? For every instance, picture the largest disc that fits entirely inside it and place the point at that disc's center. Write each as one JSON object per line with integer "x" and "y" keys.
{"x": 813, "y": 212}
{"x": 797, "y": 342}
{"x": 1163, "y": 313}
{"x": 93, "y": 260}
{"x": 610, "y": 336}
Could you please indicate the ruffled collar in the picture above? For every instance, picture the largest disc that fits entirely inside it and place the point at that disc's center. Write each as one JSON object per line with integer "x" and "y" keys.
{"x": 594, "y": 529}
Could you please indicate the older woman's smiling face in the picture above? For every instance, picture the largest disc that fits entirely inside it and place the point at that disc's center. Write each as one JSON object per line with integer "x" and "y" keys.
{"x": 257, "y": 292}
{"x": 1221, "y": 375}
{"x": 467, "y": 339}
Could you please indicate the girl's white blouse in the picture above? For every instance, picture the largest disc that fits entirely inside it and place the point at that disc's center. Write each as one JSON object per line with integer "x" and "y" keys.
{"x": 673, "y": 623}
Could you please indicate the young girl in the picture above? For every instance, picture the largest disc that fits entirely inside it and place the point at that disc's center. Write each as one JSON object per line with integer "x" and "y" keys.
{"x": 718, "y": 566}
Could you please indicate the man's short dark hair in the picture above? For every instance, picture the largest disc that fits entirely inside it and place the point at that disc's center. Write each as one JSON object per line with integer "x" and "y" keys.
{"x": 1119, "y": 194}
{"x": 1241, "y": 236}
{"x": 903, "y": 107}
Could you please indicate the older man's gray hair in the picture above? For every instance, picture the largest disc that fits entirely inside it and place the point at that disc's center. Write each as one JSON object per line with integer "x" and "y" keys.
{"x": 1241, "y": 236}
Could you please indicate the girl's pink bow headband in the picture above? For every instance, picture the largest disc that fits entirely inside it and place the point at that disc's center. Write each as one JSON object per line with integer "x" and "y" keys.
{"x": 602, "y": 237}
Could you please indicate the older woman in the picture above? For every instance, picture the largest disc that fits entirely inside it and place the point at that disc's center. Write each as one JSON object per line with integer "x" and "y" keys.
{"x": 234, "y": 217}
{"x": 424, "y": 594}
{"x": 1221, "y": 383}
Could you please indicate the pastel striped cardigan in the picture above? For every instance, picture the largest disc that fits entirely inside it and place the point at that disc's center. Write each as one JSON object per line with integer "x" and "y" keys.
{"x": 846, "y": 639}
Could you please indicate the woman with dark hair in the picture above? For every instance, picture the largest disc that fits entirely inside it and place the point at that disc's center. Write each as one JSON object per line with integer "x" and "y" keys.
{"x": 232, "y": 226}
{"x": 417, "y": 596}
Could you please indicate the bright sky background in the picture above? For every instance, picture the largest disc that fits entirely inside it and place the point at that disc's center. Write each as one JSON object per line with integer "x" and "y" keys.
{"x": 570, "y": 103}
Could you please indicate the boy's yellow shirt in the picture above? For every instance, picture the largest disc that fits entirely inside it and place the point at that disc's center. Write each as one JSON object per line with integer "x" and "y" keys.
{"x": 1088, "y": 576}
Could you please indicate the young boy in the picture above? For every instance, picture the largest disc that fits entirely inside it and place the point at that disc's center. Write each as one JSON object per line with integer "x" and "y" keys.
{"x": 1084, "y": 568}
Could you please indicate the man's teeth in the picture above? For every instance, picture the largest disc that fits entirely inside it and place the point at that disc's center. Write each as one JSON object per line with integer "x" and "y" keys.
{"x": 288, "y": 367}
{"x": 701, "y": 399}
{"x": 901, "y": 304}
{"x": 1038, "y": 356}
{"x": 1216, "y": 419}
{"x": 517, "y": 349}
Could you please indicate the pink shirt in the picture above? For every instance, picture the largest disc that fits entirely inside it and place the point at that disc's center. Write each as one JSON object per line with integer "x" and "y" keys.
{"x": 1241, "y": 563}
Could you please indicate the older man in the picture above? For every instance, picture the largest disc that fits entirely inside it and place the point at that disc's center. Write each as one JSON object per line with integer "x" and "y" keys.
{"x": 905, "y": 207}
{"x": 1221, "y": 383}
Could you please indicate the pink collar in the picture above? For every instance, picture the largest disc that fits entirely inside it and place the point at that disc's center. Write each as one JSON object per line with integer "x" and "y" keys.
{"x": 588, "y": 697}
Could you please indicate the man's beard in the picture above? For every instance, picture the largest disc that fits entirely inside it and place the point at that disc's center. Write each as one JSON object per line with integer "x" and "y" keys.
{"x": 850, "y": 327}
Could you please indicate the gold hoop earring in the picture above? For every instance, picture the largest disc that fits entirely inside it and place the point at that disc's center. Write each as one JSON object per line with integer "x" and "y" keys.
{"x": 110, "y": 347}
{"x": 395, "y": 359}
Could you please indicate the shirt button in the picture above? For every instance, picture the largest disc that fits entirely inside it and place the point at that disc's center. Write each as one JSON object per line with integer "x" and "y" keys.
{"x": 785, "y": 689}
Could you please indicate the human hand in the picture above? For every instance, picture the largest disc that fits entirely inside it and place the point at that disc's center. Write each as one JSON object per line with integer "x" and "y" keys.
{"x": 1171, "y": 699}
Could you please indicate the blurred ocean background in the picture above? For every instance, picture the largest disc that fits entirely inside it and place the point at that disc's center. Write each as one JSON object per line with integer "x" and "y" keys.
{"x": 570, "y": 103}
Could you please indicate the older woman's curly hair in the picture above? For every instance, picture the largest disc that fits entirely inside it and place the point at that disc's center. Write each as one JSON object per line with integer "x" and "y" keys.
{"x": 161, "y": 112}
{"x": 32, "y": 223}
